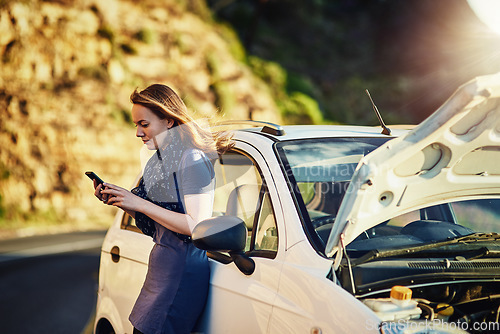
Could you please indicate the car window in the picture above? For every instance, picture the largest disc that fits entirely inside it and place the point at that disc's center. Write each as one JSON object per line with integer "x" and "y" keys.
{"x": 431, "y": 224}
{"x": 479, "y": 215}
{"x": 266, "y": 236}
{"x": 240, "y": 191}
{"x": 128, "y": 223}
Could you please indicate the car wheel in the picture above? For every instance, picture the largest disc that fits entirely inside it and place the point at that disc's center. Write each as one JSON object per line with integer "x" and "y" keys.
{"x": 104, "y": 327}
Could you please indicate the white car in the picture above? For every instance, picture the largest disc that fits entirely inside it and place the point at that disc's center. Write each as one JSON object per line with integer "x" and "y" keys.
{"x": 342, "y": 229}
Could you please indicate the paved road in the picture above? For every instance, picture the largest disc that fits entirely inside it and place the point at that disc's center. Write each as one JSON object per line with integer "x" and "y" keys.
{"x": 48, "y": 284}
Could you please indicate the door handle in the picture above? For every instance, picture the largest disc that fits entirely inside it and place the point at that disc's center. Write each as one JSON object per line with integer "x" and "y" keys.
{"x": 115, "y": 254}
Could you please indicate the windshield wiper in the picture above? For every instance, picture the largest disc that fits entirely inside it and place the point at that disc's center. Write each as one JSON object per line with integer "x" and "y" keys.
{"x": 376, "y": 254}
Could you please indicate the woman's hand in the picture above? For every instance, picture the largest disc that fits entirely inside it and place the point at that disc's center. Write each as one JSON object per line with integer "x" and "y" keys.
{"x": 120, "y": 197}
{"x": 98, "y": 188}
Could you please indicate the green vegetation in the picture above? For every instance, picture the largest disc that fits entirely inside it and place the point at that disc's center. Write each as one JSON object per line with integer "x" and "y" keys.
{"x": 121, "y": 116}
{"x": 94, "y": 72}
{"x": 290, "y": 91}
{"x": 14, "y": 219}
{"x": 236, "y": 48}
{"x": 4, "y": 174}
{"x": 118, "y": 45}
{"x": 128, "y": 48}
{"x": 106, "y": 32}
{"x": 225, "y": 99}
{"x": 2, "y": 209}
{"x": 147, "y": 36}
{"x": 5, "y": 3}
{"x": 199, "y": 7}
{"x": 318, "y": 57}
{"x": 350, "y": 102}
{"x": 300, "y": 108}
{"x": 183, "y": 42}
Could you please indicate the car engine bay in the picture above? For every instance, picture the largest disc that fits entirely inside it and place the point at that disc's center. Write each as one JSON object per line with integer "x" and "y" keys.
{"x": 460, "y": 291}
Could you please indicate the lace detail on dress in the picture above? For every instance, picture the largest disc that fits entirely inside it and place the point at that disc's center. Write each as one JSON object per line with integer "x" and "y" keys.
{"x": 159, "y": 183}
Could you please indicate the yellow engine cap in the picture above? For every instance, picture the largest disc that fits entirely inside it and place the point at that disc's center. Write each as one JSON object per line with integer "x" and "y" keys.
{"x": 445, "y": 309}
{"x": 399, "y": 292}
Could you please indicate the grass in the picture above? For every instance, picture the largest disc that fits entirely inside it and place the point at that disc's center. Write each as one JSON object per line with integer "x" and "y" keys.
{"x": 39, "y": 224}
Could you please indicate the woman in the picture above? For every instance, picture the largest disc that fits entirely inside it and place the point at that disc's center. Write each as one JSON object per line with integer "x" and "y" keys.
{"x": 174, "y": 194}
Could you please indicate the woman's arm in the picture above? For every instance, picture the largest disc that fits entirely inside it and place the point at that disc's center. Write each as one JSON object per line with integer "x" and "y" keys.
{"x": 196, "y": 178}
{"x": 198, "y": 207}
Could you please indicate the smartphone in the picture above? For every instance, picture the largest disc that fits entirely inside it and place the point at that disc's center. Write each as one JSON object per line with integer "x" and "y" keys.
{"x": 93, "y": 176}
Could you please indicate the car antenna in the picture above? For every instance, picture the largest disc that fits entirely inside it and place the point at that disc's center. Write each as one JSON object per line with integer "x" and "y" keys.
{"x": 385, "y": 129}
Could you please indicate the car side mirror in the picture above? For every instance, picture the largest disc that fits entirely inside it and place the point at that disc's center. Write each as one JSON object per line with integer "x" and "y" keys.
{"x": 224, "y": 234}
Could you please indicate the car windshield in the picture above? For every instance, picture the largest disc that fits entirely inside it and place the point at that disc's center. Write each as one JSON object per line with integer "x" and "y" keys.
{"x": 319, "y": 171}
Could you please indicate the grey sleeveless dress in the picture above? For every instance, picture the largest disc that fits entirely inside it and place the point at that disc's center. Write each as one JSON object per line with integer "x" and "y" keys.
{"x": 176, "y": 285}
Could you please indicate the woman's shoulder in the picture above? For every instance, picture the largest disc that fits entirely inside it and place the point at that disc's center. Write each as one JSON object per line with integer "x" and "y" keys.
{"x": 194, "y": 156}
{"x": 197, "y": 172}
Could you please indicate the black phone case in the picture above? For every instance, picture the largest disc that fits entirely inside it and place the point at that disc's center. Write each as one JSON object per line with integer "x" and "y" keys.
{"x": 93, "y": 176}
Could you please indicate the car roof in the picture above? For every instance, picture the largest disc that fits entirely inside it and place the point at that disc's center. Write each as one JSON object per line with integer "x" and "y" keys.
{"x": 294, "y": 132}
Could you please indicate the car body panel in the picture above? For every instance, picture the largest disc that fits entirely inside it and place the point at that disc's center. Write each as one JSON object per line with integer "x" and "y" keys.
{"x": 126, "y": 272}
{"x": 308, "y": 300}
{"x": 433, "y": 163}
{"x": 233, "y": 294}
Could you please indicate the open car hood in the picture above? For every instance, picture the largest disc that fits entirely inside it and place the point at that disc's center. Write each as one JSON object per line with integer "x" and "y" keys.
{"x": 454, "y": 153}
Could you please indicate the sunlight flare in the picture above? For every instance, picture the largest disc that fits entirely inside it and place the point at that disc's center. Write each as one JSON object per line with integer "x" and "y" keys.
{"x": 487, "y": 11}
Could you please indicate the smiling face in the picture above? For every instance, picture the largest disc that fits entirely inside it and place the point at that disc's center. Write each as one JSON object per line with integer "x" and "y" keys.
{"x": 149, "y": 126}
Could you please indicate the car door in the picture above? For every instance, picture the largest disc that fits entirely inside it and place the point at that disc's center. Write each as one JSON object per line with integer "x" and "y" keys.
{"x": 237, "y": 302}
{"x": 124, "y": 260}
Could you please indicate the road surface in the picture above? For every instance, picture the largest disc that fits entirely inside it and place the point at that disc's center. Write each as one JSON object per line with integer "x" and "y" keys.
{"x": 48, "y": 284}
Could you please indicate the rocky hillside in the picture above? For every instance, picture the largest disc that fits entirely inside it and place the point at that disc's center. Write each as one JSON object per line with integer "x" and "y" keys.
{"x": 67, "y": 69}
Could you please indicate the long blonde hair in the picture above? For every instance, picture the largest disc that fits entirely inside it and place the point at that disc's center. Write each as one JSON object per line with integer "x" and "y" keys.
{"x": 166, "y": 104}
